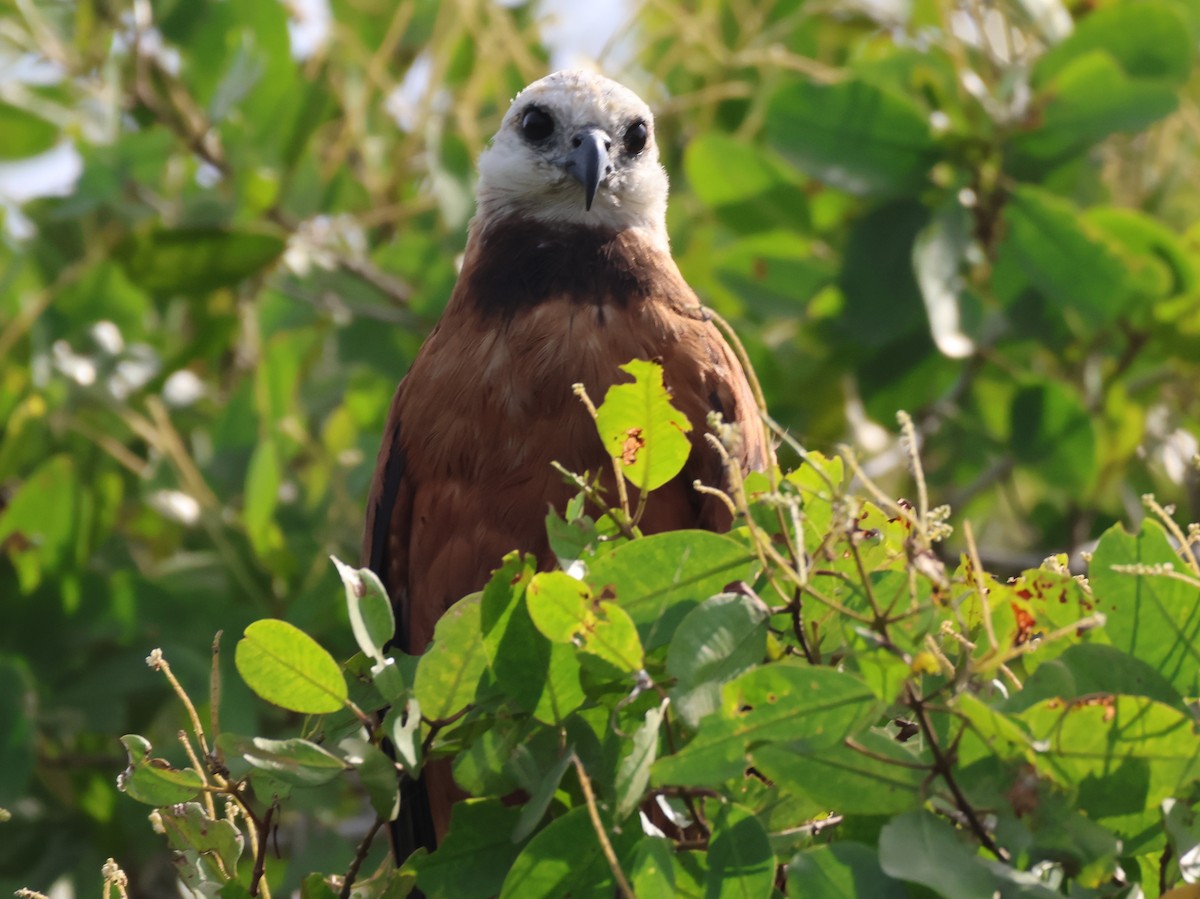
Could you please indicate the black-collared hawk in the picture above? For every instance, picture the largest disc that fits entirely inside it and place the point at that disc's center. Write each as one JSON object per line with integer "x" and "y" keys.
{"x": 567, "y": 275}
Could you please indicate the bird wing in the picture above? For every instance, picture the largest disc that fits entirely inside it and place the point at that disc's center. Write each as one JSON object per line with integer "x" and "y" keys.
{"x": 389, "y": 519}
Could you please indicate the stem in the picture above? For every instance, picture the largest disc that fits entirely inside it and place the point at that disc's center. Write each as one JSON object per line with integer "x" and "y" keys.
{"x": 942, "y": 767}
{"x": 980, "y": 586}
{"x": 601, "y": 834}
{"x": 359, "y": 857}
{"x": 214, "y": 690}
{"x": 798, "y": 628}
{"x": 209, "y": 805}
{"x": 260, "y": 857}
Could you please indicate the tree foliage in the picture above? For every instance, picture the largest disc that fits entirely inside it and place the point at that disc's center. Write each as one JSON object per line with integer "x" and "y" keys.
{"x": 982, "y": 213}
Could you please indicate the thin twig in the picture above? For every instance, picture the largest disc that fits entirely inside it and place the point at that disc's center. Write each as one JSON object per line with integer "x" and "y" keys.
{"x": 1185, "y": 545}
{"x": 851, "y": 743}
{"x": 601, "y": 834}
{"x": 980, "y": 585}
{"x": 943, "y": 768}
{"x": 214, "y": 690}
{"x": 359, "y": 857}
{"x": 260, "y": 857}
{"x": 200, "y": 770}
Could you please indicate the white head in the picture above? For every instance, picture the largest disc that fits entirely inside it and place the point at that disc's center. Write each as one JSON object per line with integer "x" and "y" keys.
{"x": 575, "y": 148}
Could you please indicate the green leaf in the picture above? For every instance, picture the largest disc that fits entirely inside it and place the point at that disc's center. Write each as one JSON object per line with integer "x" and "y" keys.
{"x": 1052, "y": 430}
{"x": 377, "y": 773}
{"x": 642, "y": 430}
{"x": 716, "y": 641}
{"x": 722, "y": 170}
{"x": 846, "y": 779}
{"x": 719, "y": 639}
{"x": 563, "y": 609}
{"x": 1125, "y": 754}
{"x": 1054, "y": 249}
{"x": 1183, "y": 836}
{"x": 539, "y": 799}
{"x": 1090, "y": 668}
{"x": 402, "y": 724}
{"x": 659, "y": 579}
{"x": 741, "y": 864}
{"x": 263, "y": 478}
{"x": 189, "y": 827}
{"x": 1159, "y": 264}
{"x": 371, "y": 616}
{"x": 484, "y": 768}
{"x": 314, "y": 887}
{"x": 652, "y": 872}
{"x": 17, "y": 731}
{"x": 1149, "y": 39}
{"x": 843, "y": 870}
{"x": 287, "y": 667}
{"x": 478, "y": 851}
{"x": 1088, "y": 100}
{"x": 195, "y": 260}
{"x": 449, "y": 671}
{"x": 939, "y": 260}
{"x": 565, "y": 859}
{"x": 773, "y": 272}
{"x": 152, "y": 780}
{"x": 750, "y": 190}
{"x": 23, "y": 134}
{"x": 883, "y": 301}
{"x": 538, "y": 675}
{"x": 43, "y": 518}
{"x": 853, "y": 135}
{"x": 294, "y": 761}
{"x": 1155, "y": 618}
{"x": 389, "y": 679}
{"x": 633, "y": 774}
{"x": 919, "y": 847}
{"x": 809, "y": 706}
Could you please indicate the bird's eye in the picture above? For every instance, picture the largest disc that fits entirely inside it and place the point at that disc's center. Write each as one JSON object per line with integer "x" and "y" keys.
{"x": 536, "y": 124}
{"x": 635, "y": 137}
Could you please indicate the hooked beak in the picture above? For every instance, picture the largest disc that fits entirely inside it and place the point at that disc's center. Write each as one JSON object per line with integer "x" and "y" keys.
{"x": 588, "y": 162}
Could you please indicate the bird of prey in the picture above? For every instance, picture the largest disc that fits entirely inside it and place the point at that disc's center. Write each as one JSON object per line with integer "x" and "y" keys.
{"x": 567, "y": 275}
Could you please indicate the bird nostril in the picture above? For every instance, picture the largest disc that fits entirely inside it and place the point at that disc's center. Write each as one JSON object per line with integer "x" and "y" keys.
{"x": 608, "y": 145}
{"x": 577, "y": 141}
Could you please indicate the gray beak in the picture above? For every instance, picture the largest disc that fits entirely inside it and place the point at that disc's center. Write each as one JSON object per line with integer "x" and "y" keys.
{"x": 588, "y": 161}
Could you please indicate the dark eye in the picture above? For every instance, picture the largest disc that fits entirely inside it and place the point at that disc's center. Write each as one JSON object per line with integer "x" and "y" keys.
{"x": 635, "y": 137}
{"x": 536, "y": 124}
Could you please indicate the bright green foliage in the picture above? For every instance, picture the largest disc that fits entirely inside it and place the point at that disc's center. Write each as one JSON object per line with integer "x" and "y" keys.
{"x": 641, "y": 430}
{"x": 939, "y": 729}
{"x": 981, "y": 212}
{"x": 152, "y": 781}
{"x": 371, "y": 616}
{"x": 285, "y": 666}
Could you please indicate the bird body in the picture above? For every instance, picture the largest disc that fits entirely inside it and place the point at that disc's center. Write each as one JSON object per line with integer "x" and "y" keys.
{"x": 567, "y": 275}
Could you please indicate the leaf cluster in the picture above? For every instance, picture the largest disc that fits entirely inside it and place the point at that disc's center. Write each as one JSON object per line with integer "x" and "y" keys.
{"x": 813, "y": 703}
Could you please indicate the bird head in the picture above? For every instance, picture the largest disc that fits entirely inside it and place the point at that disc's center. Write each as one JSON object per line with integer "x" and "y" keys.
{"x": 575, "y": 148}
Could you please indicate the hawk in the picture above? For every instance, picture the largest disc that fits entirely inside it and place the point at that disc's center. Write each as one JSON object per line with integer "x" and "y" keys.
{"x": 567, "y": 275}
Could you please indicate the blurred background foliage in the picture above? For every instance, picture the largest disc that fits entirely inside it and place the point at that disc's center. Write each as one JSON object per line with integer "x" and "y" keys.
{"x": 227, "y": 227}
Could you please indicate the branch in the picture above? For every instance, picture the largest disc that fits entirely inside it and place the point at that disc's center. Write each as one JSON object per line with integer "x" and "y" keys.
{"x": 601, "y": 834}
{"x": 260, "y": 857}
{"x": 942, "y": 767}
{"x": 359, "y": 858}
